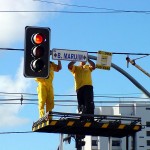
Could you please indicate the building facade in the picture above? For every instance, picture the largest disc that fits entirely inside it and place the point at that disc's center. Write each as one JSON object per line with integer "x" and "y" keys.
{"x": 109, "y": 143}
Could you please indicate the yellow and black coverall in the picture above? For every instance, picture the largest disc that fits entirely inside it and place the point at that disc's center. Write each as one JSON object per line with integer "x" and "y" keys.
{"x": 84, "y": 88}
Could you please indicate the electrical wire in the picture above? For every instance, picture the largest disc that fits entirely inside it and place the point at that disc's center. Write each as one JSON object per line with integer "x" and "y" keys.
{"x": 73, "y": 12}
{"x": 57, "y": 11}
{"x": 73, "y": 5}
{"x": 105, "y": 10}
{"x": 18, "y": 103}
{"x": 140, "y": 57}
{"x": 17, "y": 132}
{"x": 13, "y": 93}
{"x": 70, "y": 100}
{"x": 97, "y": 8}
{"x": 20, "y": 49}
{"x": 58, "y": 95}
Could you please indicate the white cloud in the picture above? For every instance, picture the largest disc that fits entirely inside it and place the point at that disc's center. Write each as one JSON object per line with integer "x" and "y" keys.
{"x": 19, "y": 84}
{"x": 12, "y": 27}
{"x": 13, "y": 24}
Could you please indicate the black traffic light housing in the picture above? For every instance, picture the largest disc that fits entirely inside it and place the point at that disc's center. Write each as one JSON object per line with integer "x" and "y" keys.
{"x": 36, "y": 52}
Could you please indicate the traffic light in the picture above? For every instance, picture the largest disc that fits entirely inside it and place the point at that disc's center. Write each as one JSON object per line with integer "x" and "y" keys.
{"x": 36, "y": 52}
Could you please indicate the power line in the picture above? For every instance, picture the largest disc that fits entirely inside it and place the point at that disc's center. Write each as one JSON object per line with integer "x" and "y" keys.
{"x": 123, "y": 53}
{"x": 17, "y": 49}
{"x": 54, "y": 11}
{"x": 57, "y": 103}
{"x": 33, "y": 94}
{"x": 17, "y": 132}
{"x": 70, "y": 100}
{"x": 18, "y": 103}
{"x": 80, "y": 6}
{"x": 107, "y": 10}
{"x": 120, "y": 106}
{"x": 72, "y": 12}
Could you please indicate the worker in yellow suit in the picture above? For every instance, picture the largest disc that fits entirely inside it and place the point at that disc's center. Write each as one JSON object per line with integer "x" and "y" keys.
{"x": 83, "y": 85}
{"x": 45, "y": 89}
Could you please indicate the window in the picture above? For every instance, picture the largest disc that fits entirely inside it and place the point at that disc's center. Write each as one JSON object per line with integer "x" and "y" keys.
{"x": 148, "y": 142}
{"x": 148, "y": 133}
{"x": 147, "y": 108}
{"x": 147, "y": 124}
{"x": 115, "y": 143}
{"x": 94, "y": 142}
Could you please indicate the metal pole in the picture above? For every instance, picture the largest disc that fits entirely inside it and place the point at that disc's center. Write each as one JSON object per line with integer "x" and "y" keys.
{"x": 78, "y": 143}
{"x": 109, "y": 143}
{"x": 134, "y": 143}
{"x": 127, "y": 142}
{"x": 136, "y": 83}
{"x": 61, "y": 142}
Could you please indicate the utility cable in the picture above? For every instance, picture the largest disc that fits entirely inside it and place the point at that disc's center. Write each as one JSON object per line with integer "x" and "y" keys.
{"x": 70, "y": 100}
{"x": 123, "y": 53}
{"x": 92, "y": 7}
{"x": 74, "y": 12}
{"x": 139, "y": 57}
{"x": 58, "y": 95}
{"x": 17, "y": 132}
{"x": 73, "y": 5}
{"x": 17, "y": 49}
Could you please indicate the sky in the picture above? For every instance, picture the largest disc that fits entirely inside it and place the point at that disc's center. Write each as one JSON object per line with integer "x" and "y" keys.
{"x": 112, "y": 27}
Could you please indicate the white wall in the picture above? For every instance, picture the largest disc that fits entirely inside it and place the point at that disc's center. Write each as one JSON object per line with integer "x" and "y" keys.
{"x": 138, "y": 110}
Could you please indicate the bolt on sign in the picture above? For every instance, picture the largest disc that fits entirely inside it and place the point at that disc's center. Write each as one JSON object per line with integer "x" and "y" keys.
{"x": 104, "y": 60}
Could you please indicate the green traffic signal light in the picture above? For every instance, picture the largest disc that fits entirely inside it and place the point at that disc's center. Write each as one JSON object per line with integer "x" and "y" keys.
{"x": 37, "y": 65}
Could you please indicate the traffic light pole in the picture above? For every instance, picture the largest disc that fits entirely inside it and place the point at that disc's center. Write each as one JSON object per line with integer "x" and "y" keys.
{"x": 78, "y": 146}
{"x": 136, "y": 83}
{"x": 79, "y": 141}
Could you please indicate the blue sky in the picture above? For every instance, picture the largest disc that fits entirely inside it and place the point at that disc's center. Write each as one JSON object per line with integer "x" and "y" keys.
{"x": 113, "y": 32}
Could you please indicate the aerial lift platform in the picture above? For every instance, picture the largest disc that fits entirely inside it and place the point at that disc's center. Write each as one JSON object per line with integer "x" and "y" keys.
{"x": 94, "y": 125}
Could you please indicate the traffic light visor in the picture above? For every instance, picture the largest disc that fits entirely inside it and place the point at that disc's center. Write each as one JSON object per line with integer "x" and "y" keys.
{"x": 38, "y": 38}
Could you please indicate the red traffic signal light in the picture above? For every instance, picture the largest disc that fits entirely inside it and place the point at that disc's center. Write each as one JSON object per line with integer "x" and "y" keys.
{"x": 36, "y": 56}
{"x": 38, "y": 38}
